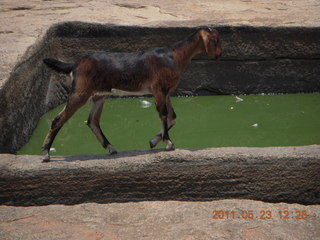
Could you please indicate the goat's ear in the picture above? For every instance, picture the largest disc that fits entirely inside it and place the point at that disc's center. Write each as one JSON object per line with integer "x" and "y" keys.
{"x": 205, "y": 39}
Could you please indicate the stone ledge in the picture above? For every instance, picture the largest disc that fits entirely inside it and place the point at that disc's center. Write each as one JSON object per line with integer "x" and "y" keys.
{"x": 276, "y": 174}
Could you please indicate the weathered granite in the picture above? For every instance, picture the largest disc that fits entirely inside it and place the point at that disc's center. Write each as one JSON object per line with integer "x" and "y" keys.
{"x": 22, "y": 22}
{"x": 170, "y": 220}
{"x": 276, "y": 174}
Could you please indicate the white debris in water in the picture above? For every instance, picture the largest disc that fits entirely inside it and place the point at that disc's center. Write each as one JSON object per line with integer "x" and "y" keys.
{"x": 255, "y": 125}
{"x": 238, "y": 99}
{"x": 145, "y": 104}
{"x": 231, "y": 108}
{"x": 53, "y": 150}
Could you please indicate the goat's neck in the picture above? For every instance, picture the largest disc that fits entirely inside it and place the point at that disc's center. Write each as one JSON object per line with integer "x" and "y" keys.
{"x": 184, "y": 50}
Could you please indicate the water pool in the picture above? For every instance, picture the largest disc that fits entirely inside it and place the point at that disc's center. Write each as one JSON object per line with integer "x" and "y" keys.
{"x": 202, "y": 122}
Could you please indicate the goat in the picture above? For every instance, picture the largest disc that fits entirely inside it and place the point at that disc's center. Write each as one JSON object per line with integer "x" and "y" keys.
{"x": 155, "y": 71}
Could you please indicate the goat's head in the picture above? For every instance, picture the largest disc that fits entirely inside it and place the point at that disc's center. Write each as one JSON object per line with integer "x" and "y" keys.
{"x": 211, "y": 42}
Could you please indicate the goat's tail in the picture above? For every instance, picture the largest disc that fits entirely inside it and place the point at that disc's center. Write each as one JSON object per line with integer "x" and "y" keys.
{"x": 58, "y": 65}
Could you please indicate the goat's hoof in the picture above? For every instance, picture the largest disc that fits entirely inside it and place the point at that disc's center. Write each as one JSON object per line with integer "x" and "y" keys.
{"x": 112, "y": 150}
{"x": 46, "y": 158}
{"x": 154, "y": 141}
{"x": 170, "y": 146}
{"x": 151, "y": 143}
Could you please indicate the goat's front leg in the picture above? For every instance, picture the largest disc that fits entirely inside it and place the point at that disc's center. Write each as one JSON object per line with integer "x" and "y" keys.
{"x": 165, "y": 110}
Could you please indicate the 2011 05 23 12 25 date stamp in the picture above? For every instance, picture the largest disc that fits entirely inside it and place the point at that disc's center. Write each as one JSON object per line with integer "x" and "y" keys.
{"x": 260, "y": 214}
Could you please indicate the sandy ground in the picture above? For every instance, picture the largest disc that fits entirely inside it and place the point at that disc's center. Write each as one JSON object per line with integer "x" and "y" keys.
{"x": 22, "y": 22}
{"x": 162, "y": 221}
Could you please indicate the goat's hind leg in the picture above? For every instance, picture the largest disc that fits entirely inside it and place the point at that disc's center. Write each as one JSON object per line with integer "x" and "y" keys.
{"x": 75, "y": 101}
{"x": 93, "y": 122}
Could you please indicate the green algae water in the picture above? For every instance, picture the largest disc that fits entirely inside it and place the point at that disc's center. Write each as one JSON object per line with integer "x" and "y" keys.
{"x": 202, "y": 122}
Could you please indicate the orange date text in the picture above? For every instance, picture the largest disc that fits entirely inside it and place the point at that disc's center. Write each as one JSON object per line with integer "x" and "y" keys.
{"x": 262, "y": 214}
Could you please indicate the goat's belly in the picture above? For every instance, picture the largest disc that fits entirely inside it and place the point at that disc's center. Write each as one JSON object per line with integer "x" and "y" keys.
{"x": 119, "y": 92}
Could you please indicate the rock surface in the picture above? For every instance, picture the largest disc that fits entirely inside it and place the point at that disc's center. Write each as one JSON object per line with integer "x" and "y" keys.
{"x": 169, "y": 220}
{"x": 269, "y": 168}
{"x": 23, "y": 21}
{"x": 275, "y": 174}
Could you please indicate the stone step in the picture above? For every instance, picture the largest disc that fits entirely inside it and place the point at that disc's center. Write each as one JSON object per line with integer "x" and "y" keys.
{"x": 273, "y": 174}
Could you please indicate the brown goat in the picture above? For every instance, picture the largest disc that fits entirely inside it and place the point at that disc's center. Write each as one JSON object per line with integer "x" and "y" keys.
{"x": 155, "y": 71}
